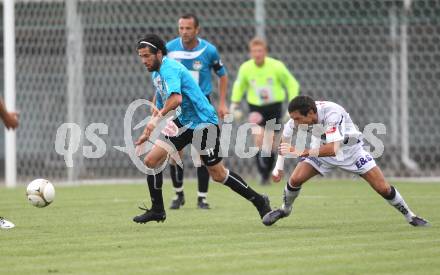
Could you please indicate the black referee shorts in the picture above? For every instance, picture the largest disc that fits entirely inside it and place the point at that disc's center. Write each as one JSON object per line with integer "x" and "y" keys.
{"x": 206, "y": 140}
{"x": 268, "y": 112}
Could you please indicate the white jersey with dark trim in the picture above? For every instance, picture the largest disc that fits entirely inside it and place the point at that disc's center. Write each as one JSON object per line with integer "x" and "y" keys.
{"x": 335, "y": 122}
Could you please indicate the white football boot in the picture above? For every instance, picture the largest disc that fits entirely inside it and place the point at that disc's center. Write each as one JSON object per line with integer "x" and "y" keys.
{"x": 5, "y": 224}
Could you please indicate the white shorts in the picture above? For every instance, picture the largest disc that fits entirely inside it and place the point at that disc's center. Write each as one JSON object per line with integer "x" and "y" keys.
{"x": 354, "y": 160}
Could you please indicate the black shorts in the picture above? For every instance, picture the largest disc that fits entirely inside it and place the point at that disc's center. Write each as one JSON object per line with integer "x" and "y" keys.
{"x": 206, "y": 140}
{"x": 268, "y": 112}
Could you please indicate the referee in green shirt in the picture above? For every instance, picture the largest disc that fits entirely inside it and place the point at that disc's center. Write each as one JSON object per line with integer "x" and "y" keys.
{"x": 265, "y": 82}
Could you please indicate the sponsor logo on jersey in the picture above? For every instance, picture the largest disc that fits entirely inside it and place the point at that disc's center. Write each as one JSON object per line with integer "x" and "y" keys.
{"x": 264, "y": 94}
{"x": 157, "y": 82}
{"x": 197, "y": 65}
{"x": 331, "y": 130}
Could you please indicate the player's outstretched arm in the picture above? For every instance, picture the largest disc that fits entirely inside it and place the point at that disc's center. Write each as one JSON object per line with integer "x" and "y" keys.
{"x": 326, "y": 150}
{"x": 285, "y": 148}
{"x": 239, "y": 89}
{"x": 278, "y": 171}
{"x": 222, "y": 108}
{"x": 173, "y": 101}
{"x": 149, "y": 128}
{"x": 10, "y": 119}
{"x": 290, "y": 83}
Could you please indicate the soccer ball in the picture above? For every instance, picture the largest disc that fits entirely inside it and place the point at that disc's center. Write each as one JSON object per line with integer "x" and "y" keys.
{"x": 40, "y": 192}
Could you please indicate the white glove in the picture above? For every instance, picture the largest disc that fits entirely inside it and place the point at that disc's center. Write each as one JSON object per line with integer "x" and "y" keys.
{"x": 278, "y": 171}
{"x": 279, "y": 164}
{"x": 235, "y": 111}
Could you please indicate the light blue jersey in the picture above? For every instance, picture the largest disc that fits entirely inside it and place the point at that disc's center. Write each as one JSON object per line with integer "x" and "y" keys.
{"x": 199, "y": 61}
{"x": 195, "y": 108}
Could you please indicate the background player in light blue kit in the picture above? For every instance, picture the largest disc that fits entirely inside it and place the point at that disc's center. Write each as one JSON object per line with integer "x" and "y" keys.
{"x": 201, "y": 58}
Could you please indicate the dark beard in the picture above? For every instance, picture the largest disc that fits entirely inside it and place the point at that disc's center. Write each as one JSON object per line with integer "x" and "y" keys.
{"x": 156, "y": 66}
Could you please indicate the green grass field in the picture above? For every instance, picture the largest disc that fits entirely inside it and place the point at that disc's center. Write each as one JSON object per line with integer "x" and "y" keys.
{"x": 337, "y": 228}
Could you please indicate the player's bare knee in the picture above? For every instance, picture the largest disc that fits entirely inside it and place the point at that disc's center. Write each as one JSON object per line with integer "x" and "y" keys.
{"x": 295, "y": 181}
{"x": 150, "y": 162}
{"x": 217, "y": 174}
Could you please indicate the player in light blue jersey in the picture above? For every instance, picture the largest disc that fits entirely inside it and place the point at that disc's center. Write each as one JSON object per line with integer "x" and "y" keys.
{"x": 195, "y": 108}
{"x": 201, "y": 58}
{"x": 175, "y": 88}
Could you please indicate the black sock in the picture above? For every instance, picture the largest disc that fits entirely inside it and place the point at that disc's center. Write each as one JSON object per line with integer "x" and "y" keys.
{"x": 391, "y": 195}
{"x": 292, "y": 189}
{"x": 203, "y": 179}
{"x": 269, "y": 165}
{"x": 260, "y": 163}
{"x": 238, "y": 185}
{"x": 155, "y": 186}
{"x": 271, "y": 161}
{"x": 176, "y": 173}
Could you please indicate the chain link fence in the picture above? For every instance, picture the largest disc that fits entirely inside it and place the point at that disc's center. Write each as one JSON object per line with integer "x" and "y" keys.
{"x": 347, "y": 51}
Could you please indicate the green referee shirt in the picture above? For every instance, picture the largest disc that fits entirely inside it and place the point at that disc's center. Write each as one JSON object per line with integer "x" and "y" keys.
{"x": 264, "y": 85}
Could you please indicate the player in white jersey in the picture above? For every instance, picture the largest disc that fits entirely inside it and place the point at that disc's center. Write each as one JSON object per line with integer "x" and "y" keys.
{"x": 10, "y": 119}
{"x": 335, "y": 143}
